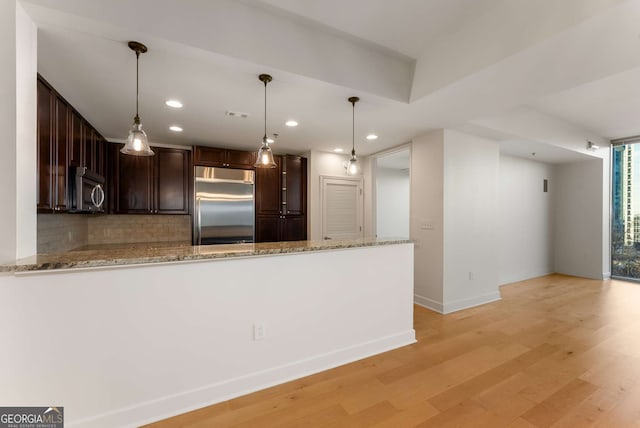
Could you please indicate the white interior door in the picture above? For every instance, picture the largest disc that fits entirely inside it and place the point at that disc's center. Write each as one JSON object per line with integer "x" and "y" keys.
{"x": 342, "y": 208}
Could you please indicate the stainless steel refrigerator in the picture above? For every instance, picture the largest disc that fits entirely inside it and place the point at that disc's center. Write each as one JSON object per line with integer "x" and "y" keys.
{"x": 224, "y": 209}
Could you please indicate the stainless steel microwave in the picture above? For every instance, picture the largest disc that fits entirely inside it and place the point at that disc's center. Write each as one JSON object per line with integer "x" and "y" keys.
{"x": 87, "y": 191}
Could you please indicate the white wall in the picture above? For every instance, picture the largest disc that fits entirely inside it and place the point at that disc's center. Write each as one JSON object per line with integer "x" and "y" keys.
{"x": 125, "y": 346}
{"x": 427, "y": 209}
{"x": 525, "y": 231}
{"x": 579, "y": 230}
{"x": 26, "y": 144}
{"x": 18, "y": 126}
{"x": 392, "y": 202}
{"x": 470, "y": 221}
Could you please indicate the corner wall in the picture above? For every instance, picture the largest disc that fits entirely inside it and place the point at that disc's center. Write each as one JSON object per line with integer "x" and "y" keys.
{"x": 526, "y": 214}
{"x": 454, "y": 218}
{"x": 470, "y": 221}
{"x": 427, "y": 218}
{"x": 18, "y": 56}
{"x": 581, "y": 240}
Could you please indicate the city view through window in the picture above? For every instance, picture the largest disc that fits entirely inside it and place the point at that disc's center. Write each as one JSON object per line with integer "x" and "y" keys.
{"x": 625, "y": 228}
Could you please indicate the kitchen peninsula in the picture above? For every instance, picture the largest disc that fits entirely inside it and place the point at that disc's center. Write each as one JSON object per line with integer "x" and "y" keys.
{"x": 154, "y": 332}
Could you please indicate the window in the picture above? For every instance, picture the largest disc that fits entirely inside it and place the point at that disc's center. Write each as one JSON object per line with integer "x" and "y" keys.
{"x": 625, "y": 220}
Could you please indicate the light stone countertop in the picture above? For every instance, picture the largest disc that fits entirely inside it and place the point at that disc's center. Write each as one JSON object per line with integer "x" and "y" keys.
{"x": 150, "y": 253}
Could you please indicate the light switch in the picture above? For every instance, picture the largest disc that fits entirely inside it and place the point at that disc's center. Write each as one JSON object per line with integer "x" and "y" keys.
{"x": 426, "y": 224}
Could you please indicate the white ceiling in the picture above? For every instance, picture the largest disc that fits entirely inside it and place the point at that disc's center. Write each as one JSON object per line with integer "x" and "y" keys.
{"x": 416, "y": 65}
{"x": 404, "y": 26}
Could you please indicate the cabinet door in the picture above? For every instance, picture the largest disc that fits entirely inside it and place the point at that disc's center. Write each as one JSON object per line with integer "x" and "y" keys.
{"x": 133, "y": 183}
{"x": 268, "y": 228}
{"x": 89, "y": 144}
{"x": 294, "y": 229}
{"x": 295, "y": 179}
{"x": 46, "y": 153}
{"x": 268, "y": 189}
{"x": 240, "y": 159}
{"x": 100, "y": 155}
{"x": 61, "y": 143}
{"x": 172, "y": 181}
{"x": 209, "y": 156}
{"x": 76, "y": 149}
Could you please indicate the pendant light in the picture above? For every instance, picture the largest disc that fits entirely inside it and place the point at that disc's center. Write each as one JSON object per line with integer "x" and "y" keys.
{"x": 137, "y": 143}
{"x": 352, "y": 166}
{"x": 265, "y": 155}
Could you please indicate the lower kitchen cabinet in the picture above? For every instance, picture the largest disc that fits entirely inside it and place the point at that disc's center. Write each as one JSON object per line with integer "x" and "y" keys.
{"x": 275, "y": 228}
{"x": 158, "y": 184}
{"x": 294, "y": 228}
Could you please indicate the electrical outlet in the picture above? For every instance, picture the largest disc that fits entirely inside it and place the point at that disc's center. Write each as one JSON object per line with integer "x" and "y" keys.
{"x": 258, "y": 331}
{"x": 470, "y": 276}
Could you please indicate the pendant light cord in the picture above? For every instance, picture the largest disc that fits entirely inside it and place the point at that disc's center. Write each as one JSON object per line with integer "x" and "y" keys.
{"x": 137, "y": 118}
{"x": 353, "y": 128}
{"x": 264, "y": 139}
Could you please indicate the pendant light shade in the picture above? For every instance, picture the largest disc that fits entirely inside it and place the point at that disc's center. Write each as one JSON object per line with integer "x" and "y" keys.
{"x": 265, "y": 154}
{"x": 352, "y": 166}
{"x": 137, "y": 143}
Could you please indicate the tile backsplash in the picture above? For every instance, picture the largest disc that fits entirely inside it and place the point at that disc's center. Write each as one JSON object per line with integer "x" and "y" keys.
{"x": 65, "y": 232}
{"x": 124, "y": 229}
{"x": 61, "y": 232}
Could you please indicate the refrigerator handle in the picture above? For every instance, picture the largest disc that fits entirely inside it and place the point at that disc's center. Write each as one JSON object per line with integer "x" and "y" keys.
{"x": 198, "y": 223}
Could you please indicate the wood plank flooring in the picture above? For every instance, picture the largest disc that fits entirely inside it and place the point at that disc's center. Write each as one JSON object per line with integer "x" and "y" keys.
{"x": 556, "y": 351}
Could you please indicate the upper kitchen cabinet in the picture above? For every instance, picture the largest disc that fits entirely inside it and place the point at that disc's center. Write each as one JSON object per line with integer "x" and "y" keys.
{"x": 159, "y": 184}
{"x": 173, "y": 177}
{"x": 223, "y": 158}
{"x": 46, "y": 152}
{"x": 281, "y": 200}
{"x": 130, "y": 186}
{"x": 65, "y": 139}
{"x": 269, "y": 189}
{"x": 294, "y": 174}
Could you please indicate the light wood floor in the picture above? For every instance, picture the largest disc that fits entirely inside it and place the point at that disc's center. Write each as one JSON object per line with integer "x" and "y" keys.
{"x": 557, "y": 351}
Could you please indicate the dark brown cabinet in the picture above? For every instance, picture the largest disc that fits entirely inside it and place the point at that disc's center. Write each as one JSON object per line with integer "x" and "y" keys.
{"x": 61, "y": 144}
{"x": 159, "y": 184}
{"x": 294, "y": 173}
{"x": 173, "y": 177}
{"x": 210, "y": 156}
{"x": 65, "y": 139}
{"x": 269, "y": 189}
{"x": 281, "y": 195}
{"x": 46, "y": 153}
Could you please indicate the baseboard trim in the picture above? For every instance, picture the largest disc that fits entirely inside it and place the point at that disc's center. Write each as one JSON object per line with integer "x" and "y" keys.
{"x": 425, "y": 302}
{"x": 606, "y": 275}
{"x": 185, "y": 401}
{"x": 459, "y": 305}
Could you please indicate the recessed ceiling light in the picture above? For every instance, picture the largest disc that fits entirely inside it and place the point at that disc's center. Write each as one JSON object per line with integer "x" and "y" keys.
{"x": 338, "y": 150}
{"x": 372, "y": 137}
{"x": 175, "y": 128}
{"x": 174, "y": 103}
{"x": 291, "y": 123}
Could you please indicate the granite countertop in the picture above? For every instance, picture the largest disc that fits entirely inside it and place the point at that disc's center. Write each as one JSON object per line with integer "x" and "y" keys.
{"x": 131, "y": 254}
